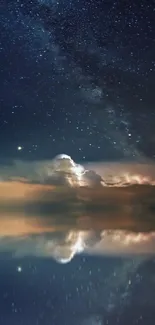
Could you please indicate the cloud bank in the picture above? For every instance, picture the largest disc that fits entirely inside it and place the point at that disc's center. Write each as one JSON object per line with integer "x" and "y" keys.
{"x": 59, "y": 209}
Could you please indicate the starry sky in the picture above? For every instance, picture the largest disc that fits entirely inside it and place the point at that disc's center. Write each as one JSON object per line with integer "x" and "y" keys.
{"x": 88, "y": 291}
{"x": 77, "y": 78}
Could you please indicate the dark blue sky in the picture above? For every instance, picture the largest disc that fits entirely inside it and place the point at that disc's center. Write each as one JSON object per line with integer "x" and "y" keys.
{"x": 77, "y": 78}
{"x": 86, "y": 291}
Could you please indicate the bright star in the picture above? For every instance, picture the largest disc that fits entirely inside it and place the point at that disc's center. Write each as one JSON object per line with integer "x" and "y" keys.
{"x": 19, "y": 269}
{"x": 19, "y": 148}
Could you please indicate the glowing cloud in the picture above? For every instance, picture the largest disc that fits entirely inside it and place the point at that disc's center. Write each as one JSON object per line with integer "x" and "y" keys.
{"x": 59, "y": 209}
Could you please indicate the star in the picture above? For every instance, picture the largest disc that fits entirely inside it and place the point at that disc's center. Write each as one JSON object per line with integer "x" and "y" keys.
{"x": 19, "y": 148}
{"x": 19, "y": 269}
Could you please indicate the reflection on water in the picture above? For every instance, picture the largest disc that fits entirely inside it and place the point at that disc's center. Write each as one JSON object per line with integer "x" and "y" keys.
{"x": 60, "y": 221}
{"x": 60, "y": 209}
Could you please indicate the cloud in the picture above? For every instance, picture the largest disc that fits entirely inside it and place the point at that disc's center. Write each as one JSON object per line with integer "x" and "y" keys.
{"x": 120, "y": 242}
{"x": 125, "y": 172}
{"x": 59, "y": 209}
{"x": 63, "y": 246}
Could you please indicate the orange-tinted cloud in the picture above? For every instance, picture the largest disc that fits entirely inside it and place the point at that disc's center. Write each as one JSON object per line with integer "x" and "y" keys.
{"x": 43, "y": 219}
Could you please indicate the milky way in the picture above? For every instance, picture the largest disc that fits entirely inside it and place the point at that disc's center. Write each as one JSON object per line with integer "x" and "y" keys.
{"x": 87, "y": 90}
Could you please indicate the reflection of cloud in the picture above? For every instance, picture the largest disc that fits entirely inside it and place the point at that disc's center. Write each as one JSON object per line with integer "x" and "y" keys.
{"x": 60, "y": 246}
{"x": 64, "y": 246}
{"x": 118, "y": 242}
{"x": 59, "y": 208}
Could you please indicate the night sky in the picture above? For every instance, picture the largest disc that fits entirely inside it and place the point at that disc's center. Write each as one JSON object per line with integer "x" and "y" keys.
{"x": 87, "y": 291}
{"x": 77, "y": 77}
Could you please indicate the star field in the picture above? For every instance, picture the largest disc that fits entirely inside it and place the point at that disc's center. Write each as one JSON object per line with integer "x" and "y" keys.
{"x": 83, "y": 300}
{"x": 79, "y": 78}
